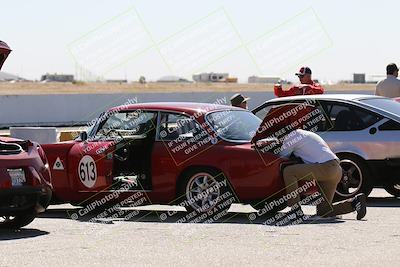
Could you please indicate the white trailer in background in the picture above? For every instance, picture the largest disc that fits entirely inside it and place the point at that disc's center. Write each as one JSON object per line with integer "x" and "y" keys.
{"x": 261, "y": 79}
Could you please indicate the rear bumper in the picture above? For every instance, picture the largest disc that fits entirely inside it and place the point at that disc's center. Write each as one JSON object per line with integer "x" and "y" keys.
{"x": 20, "y": 199}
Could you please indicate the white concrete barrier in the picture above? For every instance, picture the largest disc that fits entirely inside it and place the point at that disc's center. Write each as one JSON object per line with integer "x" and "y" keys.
{"x": 78, "y": 109}
{"x": 42, "y": 135}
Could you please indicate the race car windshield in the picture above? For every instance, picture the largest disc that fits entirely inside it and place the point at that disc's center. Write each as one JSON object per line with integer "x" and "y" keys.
{"x": 234, "y": 125}
{"x": 386, "y": 104}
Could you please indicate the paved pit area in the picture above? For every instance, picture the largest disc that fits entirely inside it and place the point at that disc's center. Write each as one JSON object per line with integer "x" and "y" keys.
{"x": 55, "y": 240}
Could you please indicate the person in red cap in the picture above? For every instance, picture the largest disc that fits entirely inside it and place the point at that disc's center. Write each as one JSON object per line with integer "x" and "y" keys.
{"x": 306, "y": 87}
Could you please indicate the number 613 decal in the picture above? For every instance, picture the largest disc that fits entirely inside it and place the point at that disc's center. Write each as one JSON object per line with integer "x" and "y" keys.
{"x": 87, "y": 171}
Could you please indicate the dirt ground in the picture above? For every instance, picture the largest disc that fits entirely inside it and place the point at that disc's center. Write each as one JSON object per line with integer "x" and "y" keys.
{"x": 34, "y": 88}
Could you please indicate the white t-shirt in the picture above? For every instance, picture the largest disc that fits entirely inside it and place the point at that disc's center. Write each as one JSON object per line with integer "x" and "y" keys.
{"x": 389, "y": 87}
{"x": 308, "y": 146}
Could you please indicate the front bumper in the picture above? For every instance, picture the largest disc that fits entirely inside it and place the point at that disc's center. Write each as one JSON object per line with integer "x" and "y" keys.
{"x": 16, "y": 200}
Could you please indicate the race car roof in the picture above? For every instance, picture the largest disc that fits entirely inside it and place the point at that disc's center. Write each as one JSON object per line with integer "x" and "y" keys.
{"x": 325, "y": 96}
{"x": 187, "y": 107}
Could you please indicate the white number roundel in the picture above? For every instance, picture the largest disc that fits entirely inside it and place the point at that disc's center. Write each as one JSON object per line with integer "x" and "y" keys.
{"x": 87, "y": 171}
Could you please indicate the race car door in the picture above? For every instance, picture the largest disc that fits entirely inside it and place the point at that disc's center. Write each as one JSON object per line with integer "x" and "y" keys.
{"x": 91, "y": 165}
{"x": 118, "y": 152}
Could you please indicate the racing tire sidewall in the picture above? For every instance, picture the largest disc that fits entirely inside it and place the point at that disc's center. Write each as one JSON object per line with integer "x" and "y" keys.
{"x": 188, "y": 179}
{"x": 366, "y": 179}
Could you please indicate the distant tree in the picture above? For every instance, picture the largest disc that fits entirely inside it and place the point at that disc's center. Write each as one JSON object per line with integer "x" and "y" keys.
{"x": 142, "y": 79}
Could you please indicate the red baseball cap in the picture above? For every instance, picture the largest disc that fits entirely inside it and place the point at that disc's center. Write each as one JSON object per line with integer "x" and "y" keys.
{"x": 303, "y": 71}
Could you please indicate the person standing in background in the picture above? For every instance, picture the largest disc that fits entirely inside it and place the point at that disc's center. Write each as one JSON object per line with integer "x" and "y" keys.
{"x": 306, "y": 87}
{"x": 389, "y": 87}
{"x": 240, "y": 101}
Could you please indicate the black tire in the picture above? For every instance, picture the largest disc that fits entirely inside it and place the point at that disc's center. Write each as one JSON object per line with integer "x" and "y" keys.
{"x": 393, "y": 189}
{"x": 189, "y": 191}
{"x": 356, "y": 177}
{"x": 18, "y": 221}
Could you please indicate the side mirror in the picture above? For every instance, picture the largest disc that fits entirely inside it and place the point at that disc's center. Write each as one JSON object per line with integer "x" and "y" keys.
{"x": 83, "y": 136}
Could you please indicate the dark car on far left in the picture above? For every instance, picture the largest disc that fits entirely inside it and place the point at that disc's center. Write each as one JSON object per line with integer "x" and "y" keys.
{"x": 25, "y": 186}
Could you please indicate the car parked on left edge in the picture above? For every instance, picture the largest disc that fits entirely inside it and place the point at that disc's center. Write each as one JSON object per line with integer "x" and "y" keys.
{"x": 25, "y": 185}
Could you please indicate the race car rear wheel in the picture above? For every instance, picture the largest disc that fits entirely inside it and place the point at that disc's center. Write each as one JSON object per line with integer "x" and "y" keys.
{"x": 356, "y": 177}
{"x": 17, "y": 221}
{"x": 203, "y": 190}
{"x": 393, "y": 189}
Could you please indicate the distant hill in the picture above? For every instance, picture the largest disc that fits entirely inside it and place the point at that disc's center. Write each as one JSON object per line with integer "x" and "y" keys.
{"x": 4, "y": 76}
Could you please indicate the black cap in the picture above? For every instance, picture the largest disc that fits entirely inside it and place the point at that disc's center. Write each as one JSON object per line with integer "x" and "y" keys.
{"x": 303, "y": 71}
{"x": 391, "y": 68}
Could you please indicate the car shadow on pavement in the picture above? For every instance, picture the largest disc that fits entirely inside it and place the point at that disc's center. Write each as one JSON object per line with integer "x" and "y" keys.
{"x": 383, "y": 202}
{"x": 152, "y": 216}
{"x": 21, "y": 234}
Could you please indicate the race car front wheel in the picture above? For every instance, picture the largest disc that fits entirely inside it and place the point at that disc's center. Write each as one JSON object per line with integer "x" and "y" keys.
{"x": 17, "y": 221}
{"x": 355, "y": 178}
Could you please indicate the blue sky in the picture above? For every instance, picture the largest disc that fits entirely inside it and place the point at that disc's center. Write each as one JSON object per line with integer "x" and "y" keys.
{"x": 358, "y": 36}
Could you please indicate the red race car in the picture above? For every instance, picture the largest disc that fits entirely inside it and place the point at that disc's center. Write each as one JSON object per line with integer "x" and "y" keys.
{"x": 191, "y": 152}
{"x": 25, "y": 186}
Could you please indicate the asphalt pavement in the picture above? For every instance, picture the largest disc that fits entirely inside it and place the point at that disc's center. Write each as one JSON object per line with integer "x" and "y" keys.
{"x": 54, "y": 239}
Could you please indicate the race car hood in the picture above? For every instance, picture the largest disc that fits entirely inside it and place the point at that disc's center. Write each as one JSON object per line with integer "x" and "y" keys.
{"x": 4, "y": 52}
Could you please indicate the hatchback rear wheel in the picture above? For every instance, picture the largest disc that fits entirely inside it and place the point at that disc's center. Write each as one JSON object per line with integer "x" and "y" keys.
{"x": 355, "y": 178}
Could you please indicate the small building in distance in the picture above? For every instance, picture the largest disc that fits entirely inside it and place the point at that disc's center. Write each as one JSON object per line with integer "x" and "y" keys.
{"x": 358, "y": 77}
{"x": 57, "y": 78}
{"x": 117, "y": 81}
{"x": 263, "y": 79}
{"x": 8, "y": 77}
{"x": 211, "y": 77}
{"x": 172, "y": 79}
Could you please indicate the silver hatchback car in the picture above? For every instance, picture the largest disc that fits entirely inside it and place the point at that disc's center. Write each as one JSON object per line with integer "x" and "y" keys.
{"x": 363, "y": 131}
